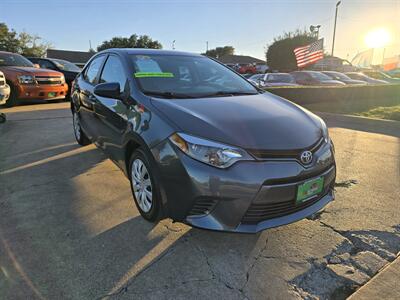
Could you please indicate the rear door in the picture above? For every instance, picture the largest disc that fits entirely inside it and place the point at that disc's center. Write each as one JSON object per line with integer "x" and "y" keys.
{"x": 113, "y": 113}
{"x": 87, "y": 82}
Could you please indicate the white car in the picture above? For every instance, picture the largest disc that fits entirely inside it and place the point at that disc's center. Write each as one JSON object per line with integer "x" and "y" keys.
{"x": 4, "y": 89}
{"x": 273, "y": 79}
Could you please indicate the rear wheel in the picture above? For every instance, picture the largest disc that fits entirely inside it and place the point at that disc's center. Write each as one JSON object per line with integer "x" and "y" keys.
{"x": 80, "y": 136}
{"x": 2, "y": 118}
{"x": 144, "y": 185}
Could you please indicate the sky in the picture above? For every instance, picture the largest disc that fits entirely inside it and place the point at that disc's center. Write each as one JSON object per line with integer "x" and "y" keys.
{"x": 249, "y": 26}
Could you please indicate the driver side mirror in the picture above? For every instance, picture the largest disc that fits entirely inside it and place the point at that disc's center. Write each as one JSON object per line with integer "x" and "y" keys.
{"x": 108, "y": 90}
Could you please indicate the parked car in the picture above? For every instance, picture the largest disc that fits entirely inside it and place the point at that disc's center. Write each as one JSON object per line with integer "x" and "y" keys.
{"x": 380, "y": 76}
{"x": 29, "y": 83}
{"x": 212, "y": 151}
{"x": 343, "y": 78}
{"x": 314, "y": 78}
{"x": 68, "y": 69}
{"x": 363, "y": 77}
{"x": 4, "y": 94}
{"x": 274, "y": 79}
{"x": 4, "y": 89}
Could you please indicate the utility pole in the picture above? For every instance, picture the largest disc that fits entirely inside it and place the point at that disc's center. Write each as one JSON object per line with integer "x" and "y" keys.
{"x": 90, "y": 45}
{"x": 334, "y": 27}
{"x": 206, "y": 46}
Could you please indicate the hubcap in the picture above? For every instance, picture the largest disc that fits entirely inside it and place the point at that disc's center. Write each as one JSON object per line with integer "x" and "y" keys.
{"x": 142, "y": 185}
{"x": 77, "y": 126}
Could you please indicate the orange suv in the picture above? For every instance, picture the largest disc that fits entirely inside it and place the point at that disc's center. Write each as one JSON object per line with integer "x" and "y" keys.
{"x": 28, "y": 82}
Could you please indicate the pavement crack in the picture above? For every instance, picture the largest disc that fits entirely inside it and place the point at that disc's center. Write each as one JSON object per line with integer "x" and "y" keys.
{"x": 346, "y": 183}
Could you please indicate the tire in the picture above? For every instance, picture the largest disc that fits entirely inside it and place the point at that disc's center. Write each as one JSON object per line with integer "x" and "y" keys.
{"x": 12, "y": 100}
{"x": 140, "y": 164}
{"x": 80, "y": 136}
{"x": 2, "y": 118}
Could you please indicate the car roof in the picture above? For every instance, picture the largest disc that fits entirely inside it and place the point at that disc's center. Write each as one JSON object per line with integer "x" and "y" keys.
{"x": 141, "y": 51}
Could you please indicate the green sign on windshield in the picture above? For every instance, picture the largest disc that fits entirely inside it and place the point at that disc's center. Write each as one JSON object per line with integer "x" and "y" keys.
{"x": 153, "y": 74}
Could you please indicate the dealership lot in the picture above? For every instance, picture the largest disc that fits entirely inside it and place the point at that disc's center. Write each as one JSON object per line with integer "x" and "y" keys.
{"x": 69, "y": 227}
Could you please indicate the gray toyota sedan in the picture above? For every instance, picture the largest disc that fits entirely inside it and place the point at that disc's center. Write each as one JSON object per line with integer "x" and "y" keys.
{"x": 200, "y": 144}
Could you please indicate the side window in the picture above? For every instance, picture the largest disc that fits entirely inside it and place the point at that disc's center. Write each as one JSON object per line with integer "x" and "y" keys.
{"x": 93, "y": 69}
{"x": 44, "y": 64}
{"x": 113, "y": 71}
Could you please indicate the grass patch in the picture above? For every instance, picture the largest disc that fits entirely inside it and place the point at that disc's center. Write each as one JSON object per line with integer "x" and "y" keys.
{"x": 388, "y": 113}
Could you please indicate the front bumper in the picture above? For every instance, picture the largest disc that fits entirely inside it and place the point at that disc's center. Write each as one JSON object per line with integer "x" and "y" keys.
{"x": 42, "y": 92}
{"x": 247, "y": 197}
{"x": 4, "y": 94}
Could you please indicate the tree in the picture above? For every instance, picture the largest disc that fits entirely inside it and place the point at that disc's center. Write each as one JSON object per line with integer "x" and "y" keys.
{"x": 280, "y": 55}
{"x": 31, "y": 45}
{"x": 220, "y": 51}
{"x": 22, "y": 43}
{"x": 134, "y": 41}
{"x": 8, "y": 39}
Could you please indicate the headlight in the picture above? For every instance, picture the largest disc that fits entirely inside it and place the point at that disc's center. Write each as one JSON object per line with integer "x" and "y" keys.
{"x": 209, "y": 152}
{"x": 62, "y": 79}
{"x": 26, "y": 79}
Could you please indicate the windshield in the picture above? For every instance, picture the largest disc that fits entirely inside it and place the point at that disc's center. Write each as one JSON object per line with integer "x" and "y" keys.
{"x": 66, "y": 65}
{"x": 14, "y": 60}
{"x": 280, "y": 78}
{"x": 256, "y": 76}
{"x": 178, "y": 76}
{"x": 319, "y": 76}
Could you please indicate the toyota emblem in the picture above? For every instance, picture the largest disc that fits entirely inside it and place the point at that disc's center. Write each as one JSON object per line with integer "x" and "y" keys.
{"x": 306, "y": 157}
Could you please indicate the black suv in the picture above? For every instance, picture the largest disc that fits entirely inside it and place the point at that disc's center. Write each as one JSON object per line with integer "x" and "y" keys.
{"x": 69, "y": 69}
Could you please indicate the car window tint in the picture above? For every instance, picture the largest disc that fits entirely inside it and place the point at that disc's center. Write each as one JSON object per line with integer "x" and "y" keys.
{"x": 46, "y": 64}
{"x": 113, "y": 71}
{"x": 93, "y": 69}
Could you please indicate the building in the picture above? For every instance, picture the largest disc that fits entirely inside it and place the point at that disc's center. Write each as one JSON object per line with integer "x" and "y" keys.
{"x": 77, "y": 57}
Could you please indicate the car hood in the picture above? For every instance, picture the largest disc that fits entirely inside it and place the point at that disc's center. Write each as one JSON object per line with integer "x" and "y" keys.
{"x": 31, "y": 71}
{"x": 332, "y": 82}
{"x": 353, "y": 81}
{"x": 261, "y": 121}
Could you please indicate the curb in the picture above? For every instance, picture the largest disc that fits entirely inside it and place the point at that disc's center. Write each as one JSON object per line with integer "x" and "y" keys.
{"x": 359, "y": 118}
{"x": 384, "y": 285}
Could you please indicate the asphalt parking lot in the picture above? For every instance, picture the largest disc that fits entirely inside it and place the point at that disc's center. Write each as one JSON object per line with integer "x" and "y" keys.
{"x": 69, "y": 228}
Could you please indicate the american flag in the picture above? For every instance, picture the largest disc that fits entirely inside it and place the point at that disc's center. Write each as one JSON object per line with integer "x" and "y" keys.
{"x": 309, "y": 54}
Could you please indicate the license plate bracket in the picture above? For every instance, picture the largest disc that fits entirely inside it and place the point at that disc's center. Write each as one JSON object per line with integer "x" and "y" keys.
{"x": 309, "y": 189}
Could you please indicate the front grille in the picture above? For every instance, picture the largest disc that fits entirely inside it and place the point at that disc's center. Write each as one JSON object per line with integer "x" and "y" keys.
{"x": 277, "y": 200}
{"x": 203, "y": 206}
{"x": 261, "y": 212}
{"x": 285, "y": 154}
{"x": 48, "y": 79}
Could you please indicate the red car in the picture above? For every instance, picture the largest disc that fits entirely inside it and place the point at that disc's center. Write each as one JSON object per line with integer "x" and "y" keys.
{"x": 28, "y": 82}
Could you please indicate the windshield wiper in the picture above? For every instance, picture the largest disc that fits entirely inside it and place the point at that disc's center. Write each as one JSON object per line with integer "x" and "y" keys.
{"x": 169, "y": 95}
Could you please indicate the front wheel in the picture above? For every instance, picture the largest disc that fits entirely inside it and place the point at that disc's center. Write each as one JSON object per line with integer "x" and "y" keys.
{"x": 145, "y": 189}
{"x": 80, "y": 136}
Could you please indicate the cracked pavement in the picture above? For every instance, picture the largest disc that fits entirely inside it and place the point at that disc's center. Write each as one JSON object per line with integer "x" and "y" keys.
{"x": 69, "y": 228}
